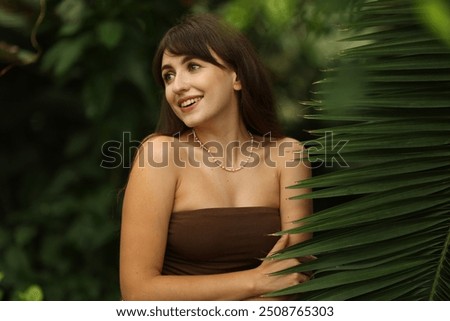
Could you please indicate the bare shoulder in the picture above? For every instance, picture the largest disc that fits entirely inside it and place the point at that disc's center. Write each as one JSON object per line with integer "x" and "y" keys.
{"x": 152, "y": 175}
{"x": 156, "y": 143}
{"x": 155, "y": 151}
{"x": 289, "y": 149}
{"x": 289, "y": 143}
{"x": 290, "y": 159}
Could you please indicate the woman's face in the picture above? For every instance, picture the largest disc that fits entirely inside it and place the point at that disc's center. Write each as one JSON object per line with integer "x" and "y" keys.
{"x": 198, "y": 91}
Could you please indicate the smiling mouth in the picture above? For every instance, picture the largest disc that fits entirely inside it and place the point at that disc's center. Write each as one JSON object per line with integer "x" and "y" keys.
{"x": 190, "y": 102}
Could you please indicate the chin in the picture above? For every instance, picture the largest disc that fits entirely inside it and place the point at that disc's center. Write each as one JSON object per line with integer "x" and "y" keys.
{"x": 190, "y": 122}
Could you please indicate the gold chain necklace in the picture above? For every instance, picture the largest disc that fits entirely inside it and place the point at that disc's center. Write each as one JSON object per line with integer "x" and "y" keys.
{"x": 218, "y": 162}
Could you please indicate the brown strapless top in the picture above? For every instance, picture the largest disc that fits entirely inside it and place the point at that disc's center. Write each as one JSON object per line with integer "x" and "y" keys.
{"x": 219, "y": 240}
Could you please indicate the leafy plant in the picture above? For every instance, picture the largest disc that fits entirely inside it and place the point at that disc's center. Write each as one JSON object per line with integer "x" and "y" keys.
{"x": 59, "y": 209}
{"x": 388, "y": 100}
{"x": 74, "y": 116}
{"x": 32, "y": 293}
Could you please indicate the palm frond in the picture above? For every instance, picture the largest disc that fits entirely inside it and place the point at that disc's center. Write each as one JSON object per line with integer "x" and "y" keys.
{"x": 388, "y": 106}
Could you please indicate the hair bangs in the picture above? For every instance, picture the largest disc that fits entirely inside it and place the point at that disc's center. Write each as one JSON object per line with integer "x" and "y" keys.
{"x": 185, "y": 40}
{"x": 185, "y": 44}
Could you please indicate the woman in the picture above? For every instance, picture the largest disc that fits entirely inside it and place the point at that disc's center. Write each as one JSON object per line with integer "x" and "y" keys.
{"x": 208, "y": 189}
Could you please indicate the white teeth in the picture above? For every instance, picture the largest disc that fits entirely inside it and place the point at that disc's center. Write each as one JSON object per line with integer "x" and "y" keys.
{"x": 190, "y": 102}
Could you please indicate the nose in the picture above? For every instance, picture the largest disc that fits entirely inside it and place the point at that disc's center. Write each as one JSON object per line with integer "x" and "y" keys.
{"x": 180, "y": 83}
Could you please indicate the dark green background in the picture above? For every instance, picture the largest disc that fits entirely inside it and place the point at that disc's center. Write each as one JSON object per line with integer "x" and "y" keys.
{"x": 87, "y": 82}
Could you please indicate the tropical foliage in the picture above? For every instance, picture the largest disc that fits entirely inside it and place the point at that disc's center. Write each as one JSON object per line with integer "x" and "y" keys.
{"x": 75, "y": 75}
{"x": 77, "y": 95}
{"x": 389, "y": 238}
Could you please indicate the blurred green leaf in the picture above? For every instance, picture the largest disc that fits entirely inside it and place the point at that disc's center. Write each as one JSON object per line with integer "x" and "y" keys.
{"x": 16, "y": 259}
{"x": 65, "y": 54}
{"x": 110, "y": 33}
{"x": 14, "y": 54}
{"x": 280, "y": 12}
{"x": 11, "y": 19}
{"x": 239, "y": 13}
{"x": 77, "y": 144}
{"x": 436, "y": 15}
{"x": 24, "y": 234}
{"x": 97, "y": 95}
{"x": 32, "y": 293}
{"x": 71, "y": 11}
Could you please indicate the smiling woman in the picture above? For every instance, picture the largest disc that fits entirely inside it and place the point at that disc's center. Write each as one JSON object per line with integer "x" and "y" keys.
{"x": 197, "y": 227}
{"x": 191, "y": 83}
{"x": 210, "y": 41}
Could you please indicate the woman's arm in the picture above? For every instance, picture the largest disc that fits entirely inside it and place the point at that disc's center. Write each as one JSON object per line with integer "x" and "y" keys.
{"x": 292, "y": 169}
{"x": 145, "y": 219}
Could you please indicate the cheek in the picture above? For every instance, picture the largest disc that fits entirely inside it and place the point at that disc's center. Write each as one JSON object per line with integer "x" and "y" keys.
{"x": 169, "y": 96}
{"x": 167, "y": 93}
{"x": 169, "y": 99}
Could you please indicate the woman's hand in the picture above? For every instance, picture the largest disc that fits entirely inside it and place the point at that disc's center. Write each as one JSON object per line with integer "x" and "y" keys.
{"x": 265, "y": 282}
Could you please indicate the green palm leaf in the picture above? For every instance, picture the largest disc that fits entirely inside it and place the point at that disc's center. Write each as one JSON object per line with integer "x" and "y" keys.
{"x": 388, "y": 106}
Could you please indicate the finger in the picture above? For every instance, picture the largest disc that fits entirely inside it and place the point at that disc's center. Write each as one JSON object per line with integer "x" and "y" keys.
{"x": 281, "y": 244}
{"x": 303, "y": 277}
{"x": 307, "y": 258}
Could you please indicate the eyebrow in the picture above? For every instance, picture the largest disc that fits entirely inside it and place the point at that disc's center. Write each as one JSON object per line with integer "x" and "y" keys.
{"x": 183, "y": 61}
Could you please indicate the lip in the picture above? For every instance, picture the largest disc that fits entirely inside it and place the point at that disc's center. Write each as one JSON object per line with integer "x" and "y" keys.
{"x": 189, "y": 108}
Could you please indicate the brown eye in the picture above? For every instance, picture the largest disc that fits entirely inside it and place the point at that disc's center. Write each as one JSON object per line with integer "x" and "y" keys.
{"x": 193, "y": 66}
{"x": 168, "y": 76}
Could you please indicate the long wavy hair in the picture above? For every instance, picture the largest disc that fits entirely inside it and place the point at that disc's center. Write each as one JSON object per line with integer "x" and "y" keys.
{"x": 196, "y": 36}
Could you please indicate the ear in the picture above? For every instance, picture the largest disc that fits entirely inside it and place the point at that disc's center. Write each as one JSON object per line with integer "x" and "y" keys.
{"x": 236, "y": 83}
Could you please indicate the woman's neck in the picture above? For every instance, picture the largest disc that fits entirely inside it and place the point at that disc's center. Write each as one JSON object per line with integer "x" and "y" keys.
{"x": 223, "y": 135}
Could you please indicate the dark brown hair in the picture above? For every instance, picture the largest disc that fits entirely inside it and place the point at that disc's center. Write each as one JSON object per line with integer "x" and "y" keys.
{"x": 195, "y": 36}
